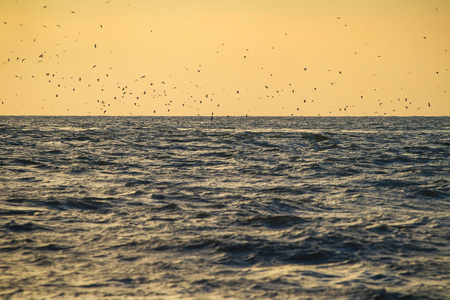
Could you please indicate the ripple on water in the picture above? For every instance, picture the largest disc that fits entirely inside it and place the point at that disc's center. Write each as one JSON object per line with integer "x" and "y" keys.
{"x": 257, "y": 208}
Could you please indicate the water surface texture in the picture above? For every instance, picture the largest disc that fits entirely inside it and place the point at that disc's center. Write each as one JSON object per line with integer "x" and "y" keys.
{"x": 239, "y": 208}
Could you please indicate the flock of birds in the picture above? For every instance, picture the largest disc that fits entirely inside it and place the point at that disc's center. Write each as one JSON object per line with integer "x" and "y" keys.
{"x": 110, "y": 90}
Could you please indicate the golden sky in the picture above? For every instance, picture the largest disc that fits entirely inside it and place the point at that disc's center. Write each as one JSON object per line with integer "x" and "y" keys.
{"x": 204, "y": 57}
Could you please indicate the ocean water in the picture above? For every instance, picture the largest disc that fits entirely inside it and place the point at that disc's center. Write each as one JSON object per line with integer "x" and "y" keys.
{"x": 228, "y": 208}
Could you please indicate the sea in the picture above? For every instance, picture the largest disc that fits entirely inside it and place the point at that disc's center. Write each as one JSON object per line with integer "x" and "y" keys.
{"x": 224, "y": 207}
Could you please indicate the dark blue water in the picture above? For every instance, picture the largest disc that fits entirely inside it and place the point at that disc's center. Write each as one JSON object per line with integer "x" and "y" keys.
{"x": 240, "y": 208}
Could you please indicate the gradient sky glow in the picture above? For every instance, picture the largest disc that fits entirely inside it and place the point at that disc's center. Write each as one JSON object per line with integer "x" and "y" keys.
{"x": 204, "y": 57}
